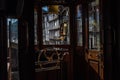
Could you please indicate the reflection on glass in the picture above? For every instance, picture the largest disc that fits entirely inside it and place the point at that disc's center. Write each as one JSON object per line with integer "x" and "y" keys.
{"x": 94, "y": 27}
{"x": 35, "y": 27}
{"x": 55, "y": 19}
{"x": 79, "y": 25}
{"x": 12, "y": 64}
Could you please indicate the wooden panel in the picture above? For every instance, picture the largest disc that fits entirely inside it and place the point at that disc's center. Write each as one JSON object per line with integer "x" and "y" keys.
{"x": 48, "y": 75}
{"x": 93, "y": 54}
{"x": 102, "y": 72}
{"x": 62, "y": 73}
{"x": 94, "y": 65}
{"x": 94, "y": 70}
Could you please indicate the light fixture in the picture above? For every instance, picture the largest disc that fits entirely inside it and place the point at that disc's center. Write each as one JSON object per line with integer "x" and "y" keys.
{"x": 53, "y": 9}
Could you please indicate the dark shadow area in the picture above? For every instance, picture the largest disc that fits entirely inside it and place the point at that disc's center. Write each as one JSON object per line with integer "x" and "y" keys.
{"x": 56, "y": 74}
{"x": 80, "y": 68}
{"x": 83, "y": 70}
{"x": 93, "y": 75}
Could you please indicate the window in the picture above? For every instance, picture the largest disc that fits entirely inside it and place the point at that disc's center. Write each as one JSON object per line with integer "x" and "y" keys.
{"x": 12, "y": 64}
{"x": 94, "y": 26}
{"x": 79, "y": 25}
{"x": 55, "y": 19}
{"x": 35, "y": 27}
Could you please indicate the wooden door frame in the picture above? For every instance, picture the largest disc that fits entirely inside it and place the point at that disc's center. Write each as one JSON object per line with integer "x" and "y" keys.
{"x": 107, "y": 43}
{"x": 105, "y": 19}
{"x": 26, "y": 42}
{"x": 72, "y": 40}
{"x": 3, "y": 46}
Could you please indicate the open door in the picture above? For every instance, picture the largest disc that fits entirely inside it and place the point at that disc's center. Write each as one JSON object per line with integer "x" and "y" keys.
{"x": 94, "y": 46}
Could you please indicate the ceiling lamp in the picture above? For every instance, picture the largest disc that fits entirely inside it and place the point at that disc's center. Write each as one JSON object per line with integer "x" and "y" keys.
{"x": 53, "y": 9}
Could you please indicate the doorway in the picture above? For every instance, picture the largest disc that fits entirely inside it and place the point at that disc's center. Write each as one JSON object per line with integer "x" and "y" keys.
{"x": 94, "y": 41}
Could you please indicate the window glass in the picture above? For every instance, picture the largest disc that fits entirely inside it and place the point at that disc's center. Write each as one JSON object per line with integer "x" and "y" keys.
{"x": 55, "y": 19}
{"x": 35, "y": 27}
{"x": 94, "y": 26}
{"x": 12, "y": 57}
{"x": 79, "y": 25}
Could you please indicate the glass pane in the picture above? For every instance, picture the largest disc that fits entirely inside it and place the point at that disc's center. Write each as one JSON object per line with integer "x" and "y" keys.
{"x": 79, "y": 25}
{"x": 35, "y": 27}
{"x": 94, "y": 26}
{"x": 12, "y": 64}
{"x": 55, "y": 19}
